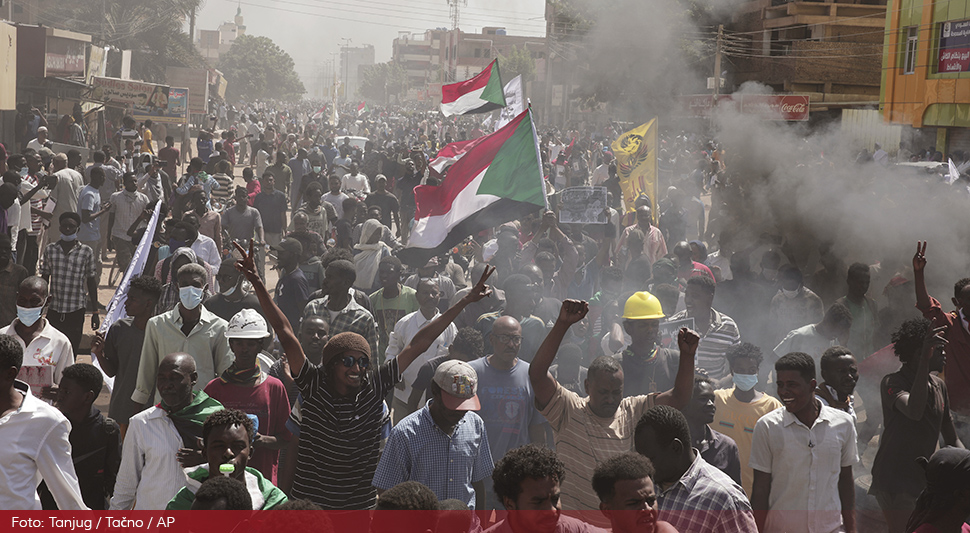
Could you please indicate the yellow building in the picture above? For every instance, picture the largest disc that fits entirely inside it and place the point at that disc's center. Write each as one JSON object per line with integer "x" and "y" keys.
{"x": 926, "y": 69}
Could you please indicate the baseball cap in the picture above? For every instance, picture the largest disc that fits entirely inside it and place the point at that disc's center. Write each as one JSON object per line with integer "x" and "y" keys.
{"x": 289, "y": 244}
{"x": 247, "y": 324}
{"x": 459, "y": 385}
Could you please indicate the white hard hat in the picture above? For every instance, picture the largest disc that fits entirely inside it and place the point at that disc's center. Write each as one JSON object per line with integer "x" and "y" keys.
{"x": 247, "y": 324}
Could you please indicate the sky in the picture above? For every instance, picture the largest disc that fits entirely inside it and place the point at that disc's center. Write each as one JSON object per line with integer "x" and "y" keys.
{"x": 312, "y": 30}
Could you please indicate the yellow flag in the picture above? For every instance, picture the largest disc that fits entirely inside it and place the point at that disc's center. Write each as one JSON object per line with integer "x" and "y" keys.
{"x": 636, "y": 164}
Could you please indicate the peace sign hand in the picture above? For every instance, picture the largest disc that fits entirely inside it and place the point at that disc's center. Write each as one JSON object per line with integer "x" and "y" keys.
{"x": 481, "y": 290}
{"x": 919, "y": 260}
{"x": 247, "y": 265}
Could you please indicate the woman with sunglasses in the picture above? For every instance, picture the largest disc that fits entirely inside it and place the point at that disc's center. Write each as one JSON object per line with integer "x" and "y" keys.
{"x": 342, "y": 413}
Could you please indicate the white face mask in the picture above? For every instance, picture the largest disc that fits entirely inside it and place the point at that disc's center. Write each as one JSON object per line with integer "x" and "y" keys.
{"x": 29, "y": 315}
{"x": 789, "y": 294}
{"x": 190, "y": 297}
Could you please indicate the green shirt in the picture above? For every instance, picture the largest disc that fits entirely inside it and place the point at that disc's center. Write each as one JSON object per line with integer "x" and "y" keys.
{"x": 265, "y": 495}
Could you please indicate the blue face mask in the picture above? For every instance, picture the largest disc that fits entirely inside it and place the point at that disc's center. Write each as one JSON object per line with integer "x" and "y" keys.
{"x": 316, "y": 170}
{"x": 69, "y": 238}
{"x": 29, "y": 315}
{"x": 745, "y": 382}
{"x": 190, "y": 297}
{"x": 23, "y": 172}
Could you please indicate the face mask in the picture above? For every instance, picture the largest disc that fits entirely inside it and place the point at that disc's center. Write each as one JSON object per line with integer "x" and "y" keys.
{"x": 745, "y": 382}
{"x": 230, "y": 291}
{"x": 316, "y": 170}
{"x": 29, "y": 315}
{"x": 770, "y": 274}
{"x": 24, "y": 172}
{"x": 789, "y": 294}
{"x": 175, "y": 245}
{"x": 190, "y": 297}
{"x": 69, "y": 238}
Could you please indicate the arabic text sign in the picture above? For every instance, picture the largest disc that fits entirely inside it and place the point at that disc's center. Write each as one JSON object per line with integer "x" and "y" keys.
{"x": 670, "y": 328}
{"x": 954, "y": 55}
{"x": 583, "y": 205}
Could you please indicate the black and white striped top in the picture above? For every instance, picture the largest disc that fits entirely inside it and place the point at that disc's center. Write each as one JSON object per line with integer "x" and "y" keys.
{"x": 340, "y": 438}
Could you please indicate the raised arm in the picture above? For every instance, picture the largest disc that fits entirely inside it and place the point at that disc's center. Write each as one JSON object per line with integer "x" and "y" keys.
{"x": 543, "y": 383}
{"x": 919, "y": 265}
{"x": 678, "y": 396}
{"x": 913, "y": 404}
{"x": 427, "y": 335}
{"x": 291, "y": 345}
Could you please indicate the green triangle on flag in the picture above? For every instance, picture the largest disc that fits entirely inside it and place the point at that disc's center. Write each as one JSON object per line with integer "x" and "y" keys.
{"x": 494, "y": 92}
{"x": 512, "y": 174}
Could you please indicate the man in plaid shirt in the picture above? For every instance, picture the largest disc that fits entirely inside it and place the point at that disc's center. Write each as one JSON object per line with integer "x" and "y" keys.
{"x": 68, "y": 265}
{"x": 340, "y": 310}
{"x": 693, "y": 495}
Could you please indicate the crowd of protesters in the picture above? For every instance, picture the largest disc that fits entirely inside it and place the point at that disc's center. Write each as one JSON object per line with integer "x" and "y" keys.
{"x": 659, "y": 372}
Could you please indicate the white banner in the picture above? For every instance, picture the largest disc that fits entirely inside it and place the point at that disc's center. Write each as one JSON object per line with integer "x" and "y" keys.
{"x": 116, "y": 308}
{"x": 514, "y": 102}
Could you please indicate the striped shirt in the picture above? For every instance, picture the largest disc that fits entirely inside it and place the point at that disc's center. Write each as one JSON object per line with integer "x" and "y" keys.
{"x": 583, "y": 440}
{"x": 340, "y": 438}
{"x": 447, "y": 464}
{"x": 721, "y": 336}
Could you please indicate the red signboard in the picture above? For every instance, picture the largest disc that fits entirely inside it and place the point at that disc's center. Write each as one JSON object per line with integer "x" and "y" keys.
{"x": 954, "y": 54}
{"x": 776, "y": 107}
{"x": 788, "y": 107}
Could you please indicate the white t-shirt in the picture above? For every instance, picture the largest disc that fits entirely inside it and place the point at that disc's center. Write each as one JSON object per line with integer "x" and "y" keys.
{"x": 355, "y": 182}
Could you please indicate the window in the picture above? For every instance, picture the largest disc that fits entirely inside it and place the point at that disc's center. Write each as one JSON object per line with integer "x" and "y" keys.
{"x": 488, "y": 52}
{"x": 912, "y": 43}
{"x": 478, "y": 52}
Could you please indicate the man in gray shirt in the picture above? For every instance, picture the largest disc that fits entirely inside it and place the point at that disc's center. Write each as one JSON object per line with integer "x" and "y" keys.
{"x": 244, "y": 223}
{"x": 504, "y": 390}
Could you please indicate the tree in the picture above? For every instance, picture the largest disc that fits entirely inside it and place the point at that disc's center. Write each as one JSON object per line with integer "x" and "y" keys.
{"x": 255, "y": 67}
{"x": 151, "y": 30}
{"x": 378, "y": 82}
{"x": 518, "y": 63}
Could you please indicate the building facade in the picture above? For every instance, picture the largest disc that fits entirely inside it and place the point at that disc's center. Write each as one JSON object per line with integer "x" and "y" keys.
{"x": 827, "y": 49}
{"x": 444, "y": 56}
{"x": 926, "y": 70}
{"x": 214, "y": 43}
{"x": 352, "y": 58}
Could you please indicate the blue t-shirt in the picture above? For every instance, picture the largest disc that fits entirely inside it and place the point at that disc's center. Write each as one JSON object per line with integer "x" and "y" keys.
{"x": 508, "y": 405}
{"x": 89, "y": 199}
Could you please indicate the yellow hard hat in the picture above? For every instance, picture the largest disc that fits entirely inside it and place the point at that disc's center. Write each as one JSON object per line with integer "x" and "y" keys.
{"x": 642, "y": 306}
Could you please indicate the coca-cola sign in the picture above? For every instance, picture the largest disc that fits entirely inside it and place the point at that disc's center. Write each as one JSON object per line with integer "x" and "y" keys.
{"x": 789, "y": 107}
{"x": 775, "y": 107}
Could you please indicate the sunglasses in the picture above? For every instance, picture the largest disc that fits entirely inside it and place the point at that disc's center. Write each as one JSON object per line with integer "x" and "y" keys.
{"x": 348, "y": 361}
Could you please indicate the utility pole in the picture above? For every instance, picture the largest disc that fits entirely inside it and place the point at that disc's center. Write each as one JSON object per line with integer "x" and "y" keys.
{"x": 192, "y": 26}
{"x": 717, "y": 62}
{"x": 345, "y": 51}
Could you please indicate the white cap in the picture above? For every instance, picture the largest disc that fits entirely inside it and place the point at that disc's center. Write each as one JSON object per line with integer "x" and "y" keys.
{"x": 247, "y": 324}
